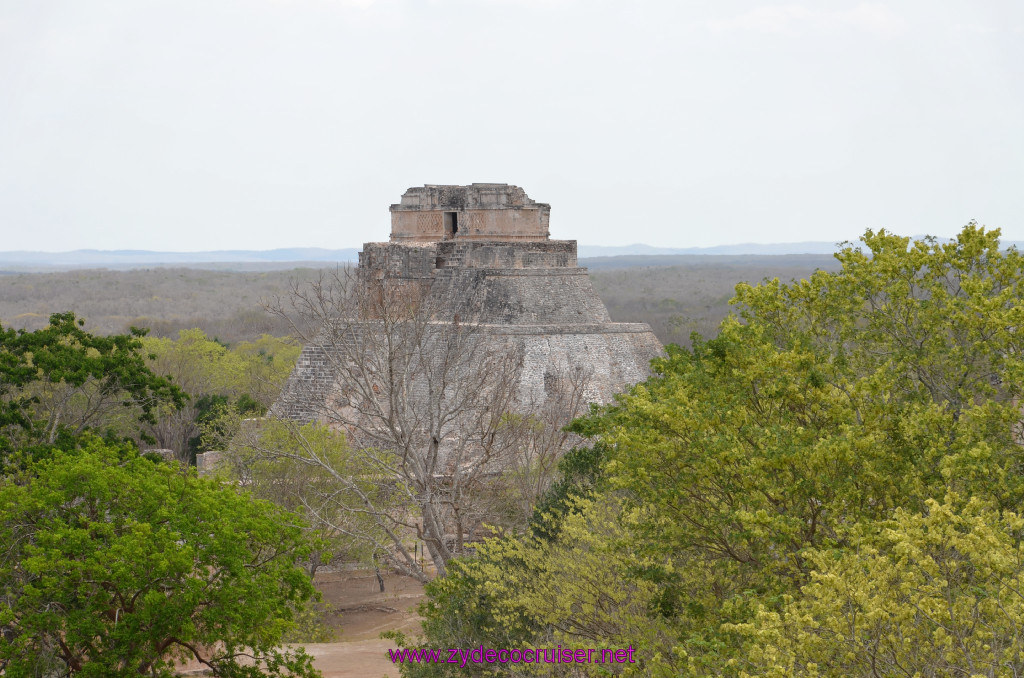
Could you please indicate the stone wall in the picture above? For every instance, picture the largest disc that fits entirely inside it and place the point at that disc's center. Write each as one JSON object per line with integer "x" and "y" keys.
{"x": 396, "y": 260}
{"x": 612, "y": 357}
{"x": 310, "y": 385}
{"x": 207, "y": 462}
{"x": 481, "y": 212}
{"x": 504, "y": 254}
{"x": 510, "y": 297}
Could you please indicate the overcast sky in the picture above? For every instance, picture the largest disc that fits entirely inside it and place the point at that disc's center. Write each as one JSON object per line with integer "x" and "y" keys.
{"x": 255, "y": 124}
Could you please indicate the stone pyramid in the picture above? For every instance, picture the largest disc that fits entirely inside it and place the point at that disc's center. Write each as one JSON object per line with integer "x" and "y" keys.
{"x": 482, "y": 254}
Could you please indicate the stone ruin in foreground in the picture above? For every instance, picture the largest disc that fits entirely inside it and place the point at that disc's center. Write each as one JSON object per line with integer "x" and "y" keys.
{"x": 481, "y": 255}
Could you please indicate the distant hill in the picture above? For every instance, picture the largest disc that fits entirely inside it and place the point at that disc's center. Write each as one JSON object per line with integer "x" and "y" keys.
{"x": 738, "y": 262}
{"x": 596, "y": 256}
{"x": 590, "y": 251}
{"x": 809, "y": 247}
{"x": 129, "y": 259}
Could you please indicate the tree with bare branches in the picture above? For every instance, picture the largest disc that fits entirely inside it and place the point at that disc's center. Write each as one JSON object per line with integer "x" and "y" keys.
{"x": 433, "y": 410}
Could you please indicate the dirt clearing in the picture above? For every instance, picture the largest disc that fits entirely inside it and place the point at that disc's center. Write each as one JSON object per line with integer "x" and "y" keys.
{"x": 362, "y": 612}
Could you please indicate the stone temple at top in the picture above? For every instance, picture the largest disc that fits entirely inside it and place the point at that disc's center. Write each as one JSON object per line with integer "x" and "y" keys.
{"x": 477, "y": 212}
{"x": 482, "y": 254}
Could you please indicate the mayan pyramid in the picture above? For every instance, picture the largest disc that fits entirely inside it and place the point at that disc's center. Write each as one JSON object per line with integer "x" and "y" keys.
{"x": 482, "y": 254}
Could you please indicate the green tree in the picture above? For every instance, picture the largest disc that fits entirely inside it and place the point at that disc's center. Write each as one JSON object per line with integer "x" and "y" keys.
{"x": 61, "y": 380}
{"x": 116, "y": 565}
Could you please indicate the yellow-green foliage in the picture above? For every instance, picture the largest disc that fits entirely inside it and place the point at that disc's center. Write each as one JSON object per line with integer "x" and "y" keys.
{"x": 202, "y": 365}
{"x": 585, "y": 590}
{"x": 226, "y": 384}
{"x": 934, "y": 594}
{"x": 823, "y": 412}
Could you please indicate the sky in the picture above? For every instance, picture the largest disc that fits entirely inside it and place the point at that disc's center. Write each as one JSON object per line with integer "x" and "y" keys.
{"x": 191, "y": 125}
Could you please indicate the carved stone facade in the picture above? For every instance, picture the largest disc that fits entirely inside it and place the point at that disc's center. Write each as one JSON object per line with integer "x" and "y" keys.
{"x": 492, "y": 264}
{"x": 477, "y": 212}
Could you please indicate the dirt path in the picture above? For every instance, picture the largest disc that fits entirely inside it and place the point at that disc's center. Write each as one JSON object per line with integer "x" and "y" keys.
{"x": 363, "y": 612}
{"x": 354, "y": 659}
